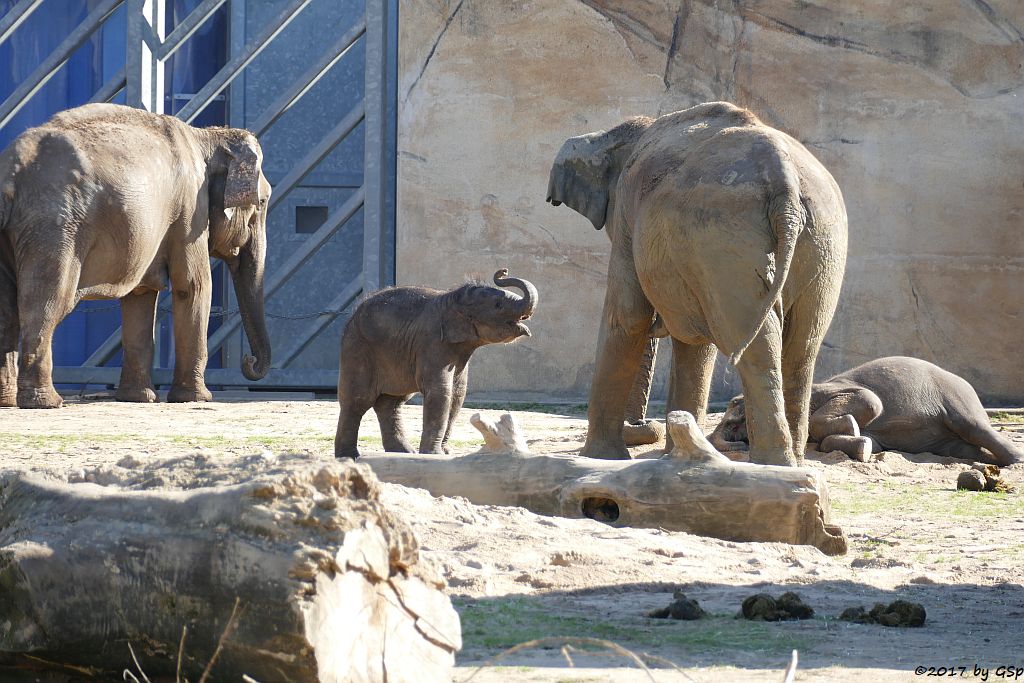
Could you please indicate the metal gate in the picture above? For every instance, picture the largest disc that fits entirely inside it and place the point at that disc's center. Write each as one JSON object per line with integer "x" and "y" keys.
{"x": 325, "y": 117}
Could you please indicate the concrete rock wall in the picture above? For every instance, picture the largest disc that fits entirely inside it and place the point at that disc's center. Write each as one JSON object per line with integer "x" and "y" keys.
{"x": 917, "y": 108}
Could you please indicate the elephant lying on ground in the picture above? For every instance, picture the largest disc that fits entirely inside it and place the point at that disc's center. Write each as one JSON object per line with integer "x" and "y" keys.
{"x": 408, "y": 339}
{"x": 107, "y": 202}
{"x": 898, "y": 403}
{"x": 736, "y": 235}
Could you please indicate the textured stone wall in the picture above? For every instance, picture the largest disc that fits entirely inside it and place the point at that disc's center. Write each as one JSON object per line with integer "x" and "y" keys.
{"x": 917, "y": 108}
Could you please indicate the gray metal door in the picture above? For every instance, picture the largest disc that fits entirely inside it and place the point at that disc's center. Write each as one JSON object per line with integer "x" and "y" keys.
{"x": 315, "y": 80}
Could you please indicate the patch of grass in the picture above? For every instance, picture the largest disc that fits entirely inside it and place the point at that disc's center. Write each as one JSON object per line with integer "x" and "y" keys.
{"x": 888, "y": 498}
{"x": 501, "y": 623}
{"x": 272, "y": 442}
{"x": 1004, "y": 416}
{"x": 572, "y": 409}
{"x": 61, "y": 442}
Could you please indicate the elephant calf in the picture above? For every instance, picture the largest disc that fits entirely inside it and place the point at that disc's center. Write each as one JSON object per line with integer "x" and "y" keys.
{"x": 897, "y": 403}
{"x": 408, "y": 339}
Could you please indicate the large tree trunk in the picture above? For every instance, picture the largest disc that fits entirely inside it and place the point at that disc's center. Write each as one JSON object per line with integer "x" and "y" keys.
{"x": 330, "y": 585}
{"x": 695, "y": 488}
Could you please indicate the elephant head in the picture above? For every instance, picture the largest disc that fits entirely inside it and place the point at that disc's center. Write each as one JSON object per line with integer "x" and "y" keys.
{"x": 239, "y": 194}
{"x": 482, "y": 315}
{"x": 587, "y": 168}
{"x": 731, "y": 432}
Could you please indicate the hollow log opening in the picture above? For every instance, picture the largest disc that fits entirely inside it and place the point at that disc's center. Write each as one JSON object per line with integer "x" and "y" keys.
{"x": 601, "y": 509}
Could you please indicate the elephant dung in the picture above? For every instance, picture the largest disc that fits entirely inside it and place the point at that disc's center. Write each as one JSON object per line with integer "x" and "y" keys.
{"x": 694, "y": 489}
{"x": 330, "y": 585}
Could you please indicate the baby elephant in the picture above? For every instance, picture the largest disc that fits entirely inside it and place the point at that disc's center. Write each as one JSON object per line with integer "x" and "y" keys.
{"x": 408, "y": 339}
{"x": 897, "y": 403}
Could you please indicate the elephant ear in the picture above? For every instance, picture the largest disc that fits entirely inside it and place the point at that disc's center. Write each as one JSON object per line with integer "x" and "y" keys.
{"x": 242, "y": 183}
{"x": 456, "y": 327}
{"x": 581, "y": 175}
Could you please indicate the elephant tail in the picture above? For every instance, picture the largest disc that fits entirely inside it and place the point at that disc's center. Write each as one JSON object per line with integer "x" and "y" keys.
{"x": 787, "y": 218}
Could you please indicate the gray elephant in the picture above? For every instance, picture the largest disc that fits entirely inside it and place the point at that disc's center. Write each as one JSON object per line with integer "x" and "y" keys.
{"x": 107, "y": 202}
{"x": 897, "y": 403}
{"x": 736, "y": 235}
{"x": 407, "y": 339}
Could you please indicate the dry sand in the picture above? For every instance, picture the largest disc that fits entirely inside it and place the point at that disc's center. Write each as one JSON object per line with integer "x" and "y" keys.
{"x": 516, "y": 576}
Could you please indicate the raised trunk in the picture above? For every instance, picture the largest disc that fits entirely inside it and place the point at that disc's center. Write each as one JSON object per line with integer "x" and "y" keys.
{"x": 248, "y": 280}
{"x": 528, "y": 302}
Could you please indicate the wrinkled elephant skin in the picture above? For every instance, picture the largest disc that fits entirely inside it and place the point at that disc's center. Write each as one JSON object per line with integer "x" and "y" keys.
{"x": 726, "y": 227}
{"x": 109, "y": 202}
{"x": 896, "y": 403}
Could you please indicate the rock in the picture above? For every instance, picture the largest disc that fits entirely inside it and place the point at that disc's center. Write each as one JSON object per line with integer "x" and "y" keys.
{"x": 763, "y": 607}
{"x": 331, "y": 586}
{"x": 970, "y": 480}
{"x": 681, "y": 608}
{"x": 898, "y": 613}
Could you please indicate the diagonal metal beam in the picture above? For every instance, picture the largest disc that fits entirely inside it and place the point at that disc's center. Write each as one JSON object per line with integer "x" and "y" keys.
{"x": 306, "y": 337}
{"x": 334, "y": 222}
{"x": 45, "y": 71}
{"x": 328, "y": 142}
{"x": 223, "y": 78}
{"x": 309, "y": 79}
{"x": 10, "y": 22}
{"x": 187, "y": 26}
{"x": 115, "y": 85}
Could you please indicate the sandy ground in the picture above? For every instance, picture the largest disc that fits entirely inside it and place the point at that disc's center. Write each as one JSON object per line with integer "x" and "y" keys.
{"x": 515, "y": 576}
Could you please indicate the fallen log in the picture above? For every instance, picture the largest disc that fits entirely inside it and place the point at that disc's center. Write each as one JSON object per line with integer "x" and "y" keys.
{"x": 694, "y": 488}
{"x": 330, "y": 586}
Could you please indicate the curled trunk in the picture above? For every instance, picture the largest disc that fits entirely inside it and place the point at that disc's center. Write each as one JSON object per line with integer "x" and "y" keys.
{"x": 528, "y": 302}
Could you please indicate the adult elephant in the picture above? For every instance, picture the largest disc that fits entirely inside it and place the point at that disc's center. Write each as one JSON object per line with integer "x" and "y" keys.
{"x": 736, "y": 235}
{"x": 105, "y": 201}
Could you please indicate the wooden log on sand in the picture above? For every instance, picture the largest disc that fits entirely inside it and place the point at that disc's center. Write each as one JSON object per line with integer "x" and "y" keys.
{"x": 694, "y": 488}
{"x": 330, "y": 586}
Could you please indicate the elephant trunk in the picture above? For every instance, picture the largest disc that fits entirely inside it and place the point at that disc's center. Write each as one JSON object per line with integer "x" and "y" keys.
{"x": 719, "y": 440}
{"x": 636, "y": 404}
{"x": 528, "y": 302}
{"x": 248, "y": 281}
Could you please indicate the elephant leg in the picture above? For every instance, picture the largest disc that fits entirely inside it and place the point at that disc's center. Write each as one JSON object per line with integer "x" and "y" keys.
{"x": 458, "y": 397}
{"x": 690, "y": 381}
{"x": 138, "y": 324}
{"x": 191, "y": 286}
{"x": 639, "y": 395}
{"x": 346, "y": 437}
{"x": 43, "y": 301}
{"x": 437, "y": 406}
{"x": 844, "y": 413}
{"x": 976, "y": 435}
{"x": 625, "y": 324}
{"x": 9, "y": 359}
{"x": 760, "y": 370}
{"x": 392, "y": 431}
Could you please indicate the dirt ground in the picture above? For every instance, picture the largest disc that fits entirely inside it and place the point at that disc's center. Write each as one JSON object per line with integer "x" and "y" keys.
{"x": 515, "y": 576}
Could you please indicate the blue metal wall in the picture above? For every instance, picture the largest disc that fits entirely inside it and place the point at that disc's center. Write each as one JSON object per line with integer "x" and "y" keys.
{"x": 87, "y": 69}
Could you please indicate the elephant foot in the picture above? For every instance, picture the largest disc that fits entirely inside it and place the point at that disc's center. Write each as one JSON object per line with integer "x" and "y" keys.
{"x": 775, "y": 456}
{"x": 8, "y": 398}
{"x": 39, "y": 398}
{"x": 857, "y": 447}
{"x": 179, "y": 394}
{"x": 136, "y": 395}
{"x": 605, "y": 450}
{"x": 341, "y": 453}
{"x": 642, "y": 433}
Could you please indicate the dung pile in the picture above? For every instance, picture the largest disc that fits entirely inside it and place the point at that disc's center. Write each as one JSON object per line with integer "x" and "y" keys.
{"x": 763, "y": 607}
{"x": 900, "y": 613}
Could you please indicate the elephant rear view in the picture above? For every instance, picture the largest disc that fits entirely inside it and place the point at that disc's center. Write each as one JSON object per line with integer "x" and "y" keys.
{"x": 109, "y": 202}
{"x": 407, "y": 339}
{"x": 736, "y": 235}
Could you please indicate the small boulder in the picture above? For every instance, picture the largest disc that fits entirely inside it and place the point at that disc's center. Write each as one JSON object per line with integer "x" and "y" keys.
{"x": 681, "y": 608}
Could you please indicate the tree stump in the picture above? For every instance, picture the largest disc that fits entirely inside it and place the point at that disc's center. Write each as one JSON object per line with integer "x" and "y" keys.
{"x": 330, "y": 585}
{"x": 694, "y": 488}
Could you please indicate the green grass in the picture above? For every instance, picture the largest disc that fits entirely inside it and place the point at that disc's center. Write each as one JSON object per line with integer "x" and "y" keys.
{"x": 1003, "y": 416}
{"x": 888, "y": 498}
{"x": 498, "y": 624}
